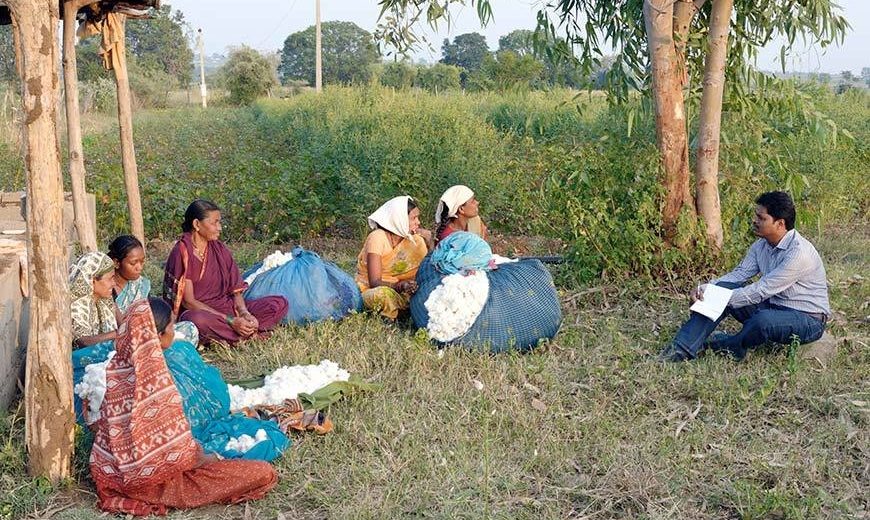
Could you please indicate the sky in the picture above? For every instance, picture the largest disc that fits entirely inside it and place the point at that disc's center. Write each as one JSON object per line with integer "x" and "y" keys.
{"x": 264, "y": 24}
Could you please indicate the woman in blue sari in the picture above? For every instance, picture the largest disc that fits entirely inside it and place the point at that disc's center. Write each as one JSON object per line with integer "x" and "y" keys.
{"x": 128, "y": 255}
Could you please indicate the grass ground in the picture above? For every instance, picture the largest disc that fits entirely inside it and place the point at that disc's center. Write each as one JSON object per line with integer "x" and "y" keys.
{"x": 585, "y": 427}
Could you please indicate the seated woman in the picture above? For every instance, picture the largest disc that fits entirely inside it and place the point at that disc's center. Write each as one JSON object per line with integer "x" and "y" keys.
{"x": 203, "y": 282}
{"x": 94, "y": 314}
{"x": 128, "y": 254}
{"x": 145, "y": 459}
{"x": 457, "y": 210}
{"x": 388, "y": 262}
{"x": 206, "y": 399}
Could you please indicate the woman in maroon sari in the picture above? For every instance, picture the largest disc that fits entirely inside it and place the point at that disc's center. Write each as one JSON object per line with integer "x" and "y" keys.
{"x": 203, "y": 282}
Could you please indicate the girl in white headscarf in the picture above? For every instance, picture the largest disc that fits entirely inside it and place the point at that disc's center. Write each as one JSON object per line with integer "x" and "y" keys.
{"x": 458, "y": 211}
{"x": 387, "y": 264}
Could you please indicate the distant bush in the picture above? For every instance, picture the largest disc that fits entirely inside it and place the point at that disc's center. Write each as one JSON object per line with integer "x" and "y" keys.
{"x": 398, "y": 75}
{"x": 439, "y": 78}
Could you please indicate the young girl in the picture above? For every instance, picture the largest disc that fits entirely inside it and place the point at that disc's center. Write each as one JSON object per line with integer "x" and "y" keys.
{"x": 128, "y": 256}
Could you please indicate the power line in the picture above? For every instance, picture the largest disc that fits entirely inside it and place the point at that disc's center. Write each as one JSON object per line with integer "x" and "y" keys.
{"x": 277, "y": 26}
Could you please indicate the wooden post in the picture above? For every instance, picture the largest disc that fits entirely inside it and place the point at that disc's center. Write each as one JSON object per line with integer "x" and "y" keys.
{"x": 84, "y": 226}
{"x": 203, "y": 90}
{"x": 128, "y": 153}
{"x": 49, "y": 418}
{"x": 672, "y": 136}
{"x": 709, "y": 127}
{"x": 318, "y": 63}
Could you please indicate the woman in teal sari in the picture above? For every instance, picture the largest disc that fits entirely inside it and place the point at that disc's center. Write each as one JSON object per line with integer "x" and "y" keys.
{"x": 128, "y": 255}
{"x": 206, "y": 400}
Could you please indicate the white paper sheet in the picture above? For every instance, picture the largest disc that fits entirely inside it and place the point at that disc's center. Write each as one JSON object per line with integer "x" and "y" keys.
{"x": 715, "y": 300}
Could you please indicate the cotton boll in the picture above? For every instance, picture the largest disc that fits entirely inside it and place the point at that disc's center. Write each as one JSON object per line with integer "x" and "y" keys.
{"x": 243, "y": 443}
{"x": 272, "y": 261}
{"x": 455, "y": 305}
{"x": 287, "y": 383}
{"x": 93, "y": 388}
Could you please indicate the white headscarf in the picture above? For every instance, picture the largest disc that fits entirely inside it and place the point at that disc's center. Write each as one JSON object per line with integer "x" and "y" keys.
{"x": 393, "y": 216}
{"x": 454, "y": 197}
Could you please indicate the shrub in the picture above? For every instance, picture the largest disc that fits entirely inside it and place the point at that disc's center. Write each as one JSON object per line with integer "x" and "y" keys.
{"x": 247, "y": 75}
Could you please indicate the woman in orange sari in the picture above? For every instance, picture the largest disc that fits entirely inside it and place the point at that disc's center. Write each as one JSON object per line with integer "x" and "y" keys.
{"x": 388, "y": 262}
{"x": 145, "y": 459}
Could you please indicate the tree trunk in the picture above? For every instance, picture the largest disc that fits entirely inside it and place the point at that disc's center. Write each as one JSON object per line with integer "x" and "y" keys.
{"x": 128, "y": 153}
{"x": 671, "y": 132}
{"x": 707, "y": 167}
{"x": 84, "y": 225}
{"x": 49, "y": 419}
{"x": 684, "y": 13}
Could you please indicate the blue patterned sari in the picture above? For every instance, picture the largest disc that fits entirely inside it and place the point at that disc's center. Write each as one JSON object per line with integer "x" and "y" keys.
{"x": 207, "y": 407}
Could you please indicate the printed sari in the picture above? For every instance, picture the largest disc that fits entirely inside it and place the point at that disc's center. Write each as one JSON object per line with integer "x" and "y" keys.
{"x": 90, "y": 316}
{"x": 145, "y": 459}
{"x": 399, "y": 263}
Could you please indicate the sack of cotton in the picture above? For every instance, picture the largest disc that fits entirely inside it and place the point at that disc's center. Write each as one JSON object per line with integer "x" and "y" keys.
{"x": 468, "y": 296}
{"x": 316, "y": 289}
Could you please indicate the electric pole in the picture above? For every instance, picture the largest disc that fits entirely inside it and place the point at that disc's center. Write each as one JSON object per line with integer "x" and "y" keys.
{"x": 318, "y": 69}
{"x": 203, "y": 92}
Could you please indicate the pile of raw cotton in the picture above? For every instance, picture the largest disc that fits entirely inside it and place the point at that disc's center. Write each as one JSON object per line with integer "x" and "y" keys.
{"x": 272, "y": 261}
{"x": 455, "y": 304}
{"x": 243, "y": 443}
{"x": 93, "y": 388}
{"x": 287, "y": 383}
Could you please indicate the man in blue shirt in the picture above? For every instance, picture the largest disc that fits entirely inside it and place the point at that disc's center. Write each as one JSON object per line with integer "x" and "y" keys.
{"x": 789, "y": 300}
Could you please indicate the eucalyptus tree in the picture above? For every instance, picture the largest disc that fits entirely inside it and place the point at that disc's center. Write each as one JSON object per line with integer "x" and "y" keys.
{"x": 675, "y": 50}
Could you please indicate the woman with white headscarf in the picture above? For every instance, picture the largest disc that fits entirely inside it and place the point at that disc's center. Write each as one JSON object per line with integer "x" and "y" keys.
{"x": 458, "y": 211}
{"x": 387, "y": 264}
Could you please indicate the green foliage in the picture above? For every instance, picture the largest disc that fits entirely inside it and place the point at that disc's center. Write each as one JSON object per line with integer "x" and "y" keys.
{"x": 7, "y": 54}
{"x": 439, "y": 78}
{"x": 247, "y": 75}
{"x": 398, "y": 75}
{"x": 348, "y": 53}
{"x": 467, "y": 51}
{"x": 519, "y": 41}
{"x": 159, "y": 43}
{"x": 543, "y": 164}
{"x": 510, "y": 71}
{"x": 98, "y": 95}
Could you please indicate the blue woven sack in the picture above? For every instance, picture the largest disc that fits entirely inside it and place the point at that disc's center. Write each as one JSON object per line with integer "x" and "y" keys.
{"x": 521, "y": 310}
{"x": 315, "y": 289}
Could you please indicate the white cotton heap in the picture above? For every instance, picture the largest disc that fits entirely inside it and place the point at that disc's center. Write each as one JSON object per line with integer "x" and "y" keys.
{"x": 272, "y": 261}
{"x": 455, "y": 304}
{"x": 93, "y": 388}
{"x": 243, "y": 443}
{"x": 287, "y": 383}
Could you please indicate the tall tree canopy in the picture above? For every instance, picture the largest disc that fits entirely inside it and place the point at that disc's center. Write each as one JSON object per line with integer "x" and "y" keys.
{"x": 467, "y": 51}
{"x": 348, "y": 53}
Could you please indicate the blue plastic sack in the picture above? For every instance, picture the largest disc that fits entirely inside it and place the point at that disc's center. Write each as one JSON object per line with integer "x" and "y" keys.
{"x": 522, "y": 308}
{"x": 315, "y": 289}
